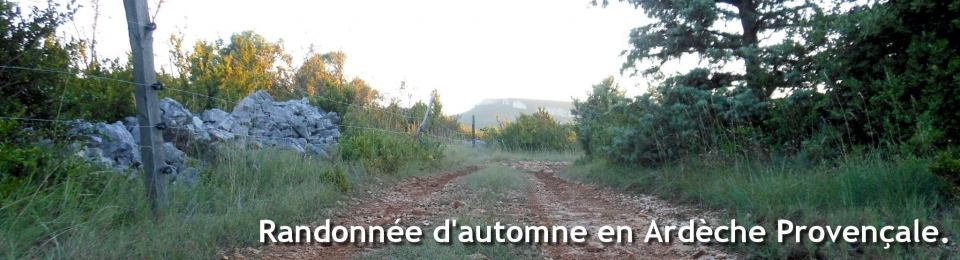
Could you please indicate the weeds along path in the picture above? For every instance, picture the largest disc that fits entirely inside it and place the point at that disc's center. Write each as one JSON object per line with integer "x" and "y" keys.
{"x": 561, "y": 202}
{"x": 409, "y": 200}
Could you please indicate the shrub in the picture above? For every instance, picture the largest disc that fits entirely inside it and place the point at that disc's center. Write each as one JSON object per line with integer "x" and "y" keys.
{"x": 336, "y": 177}
{"x": 387, "y": 152}
{"x": 947, "y": 167}
{"x": 594, "y": 116}
{"x": 535, "y": 132}
{"x": 687, "y": 114}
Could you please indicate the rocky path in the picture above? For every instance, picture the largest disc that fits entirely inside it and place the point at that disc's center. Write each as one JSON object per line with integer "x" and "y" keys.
{"x": 410, "y": 200}
{"x": 549, "y": 201}
{"x": 565, "y": 203}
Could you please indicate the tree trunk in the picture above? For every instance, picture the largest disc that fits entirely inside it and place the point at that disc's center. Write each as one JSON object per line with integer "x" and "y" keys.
{"x": 750, "y": 20}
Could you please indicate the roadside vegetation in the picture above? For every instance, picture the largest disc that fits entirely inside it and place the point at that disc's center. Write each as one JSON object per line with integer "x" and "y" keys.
{"x": 55, "y": 205}
{"x": 492, "y": 183}
{"x": 537, "y": 132}
{"x": 78, "y": 211}
{"x": 849, "y": 116}
{"x": 841, "y": 122}
{"x": 856, "y": 191}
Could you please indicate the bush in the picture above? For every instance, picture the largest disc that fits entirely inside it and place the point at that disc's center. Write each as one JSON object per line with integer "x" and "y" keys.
{"x": 387, "y": 152}
{"x": 535, "y": 132}
{"x": 594, "y": 116}
{"x": 893, "y": 74}
{"x": 687, "y": 114}
{"x": 947, "y": 167}
{"x": 336, "y": 177}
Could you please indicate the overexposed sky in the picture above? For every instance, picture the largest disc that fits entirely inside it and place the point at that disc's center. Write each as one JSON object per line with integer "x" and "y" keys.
{"x": 467, "y": 50}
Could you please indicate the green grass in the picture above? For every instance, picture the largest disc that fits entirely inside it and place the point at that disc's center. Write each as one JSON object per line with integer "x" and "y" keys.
{"x": 494, "y": 182}
{"x": 859, "y": 191}
{"x": 101, "y": 215}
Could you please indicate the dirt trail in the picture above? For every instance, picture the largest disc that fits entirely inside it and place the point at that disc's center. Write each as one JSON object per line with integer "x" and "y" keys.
{"x": 409, "y": 200}
{"x": 549, "y": 201}
{"x": 565, "y": 203}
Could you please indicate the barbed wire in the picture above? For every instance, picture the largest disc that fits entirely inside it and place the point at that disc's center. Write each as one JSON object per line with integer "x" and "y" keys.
{"x": 302, "y": 92}
{"x": 85, "y": 75}
{"x": 305, "y": 94}
{"x": 38, "y": 120}
{"x": 80, "y": 121}
{"x": 69, "y": 73}
{"x": 111, "y": 79}
{"x": 202, "y": 95}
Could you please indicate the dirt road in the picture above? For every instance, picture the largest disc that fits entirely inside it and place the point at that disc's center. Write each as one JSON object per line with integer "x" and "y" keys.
{"x": 547, "y": 201}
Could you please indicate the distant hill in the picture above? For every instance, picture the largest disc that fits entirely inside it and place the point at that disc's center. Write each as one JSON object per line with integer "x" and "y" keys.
{"x": 509, "y": 108}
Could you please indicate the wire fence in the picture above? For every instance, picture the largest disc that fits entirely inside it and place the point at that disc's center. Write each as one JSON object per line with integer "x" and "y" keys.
{"x": 436, "y": 131}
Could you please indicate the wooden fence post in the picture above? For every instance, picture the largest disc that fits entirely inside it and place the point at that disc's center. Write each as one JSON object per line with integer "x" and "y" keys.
{"x": 426, "y": 115}
{"x": 140, "y": 30}
{"x": 473, "y": 130}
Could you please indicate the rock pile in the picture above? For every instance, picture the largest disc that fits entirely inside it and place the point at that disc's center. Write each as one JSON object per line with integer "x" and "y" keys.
{"x": 257, "y": 120}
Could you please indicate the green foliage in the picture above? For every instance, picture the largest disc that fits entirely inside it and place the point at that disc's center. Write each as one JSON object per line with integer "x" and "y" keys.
{"x": 683, "y": 27}
{"x": 595, "y": 116}
{"x": 206, "y": 75}
{"x": 862, "y": 190}
{"x": 947, "y": 167}
{"x": 878, "y": 75}
{"x": 20, "y": 161}
{"x": 321, "y": 78}
{"x": 688, "y": 114}
{"x": 794, "y": 119}
{"x": 383, "y": 138}
{"x": 70, "y": 210}
{"x": 536, "y": 132}
{"x": 387, "y": 152}
{"x": 491, "y": 183}
{"x": 336, "y": 176}
{"x": 247, "y": 62}
{"x": 892, "y": 73}
{"x": 104, "y": 87}
{"x": 27, "y": 40}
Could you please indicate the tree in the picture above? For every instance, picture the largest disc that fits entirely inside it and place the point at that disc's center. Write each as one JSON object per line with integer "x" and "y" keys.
{"x": 27, "y": 40}
{"x": 892, "y": 72}
{"x": 364, "y": 94}
{"x": 534, "y": 132}
{"x": 179, "y": 58}
{"x": 321, "y": 78}
{"x": 697, "y": 27}
{"x": 206, "y": 71}
{"x": 312, "y": 75}
{"x": 336, "y": 61}
{"x": 593, "y": 115}
{"x": 249, "y": 64}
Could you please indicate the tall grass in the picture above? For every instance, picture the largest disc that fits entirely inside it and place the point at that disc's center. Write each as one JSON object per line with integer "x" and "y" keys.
{"x": 863, "y": 190}
{"x": 491, "y": 183}
{"x": 94, "y": 214}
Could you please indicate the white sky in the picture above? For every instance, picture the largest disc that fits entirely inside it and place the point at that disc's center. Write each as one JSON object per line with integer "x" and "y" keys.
{"x": 467, "y": 50}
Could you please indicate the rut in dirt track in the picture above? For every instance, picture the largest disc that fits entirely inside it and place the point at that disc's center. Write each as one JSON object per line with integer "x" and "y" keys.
{"x": 408, "y": 200}
{"x": 549, "y": 201}
{"x": 561, "y": 202}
